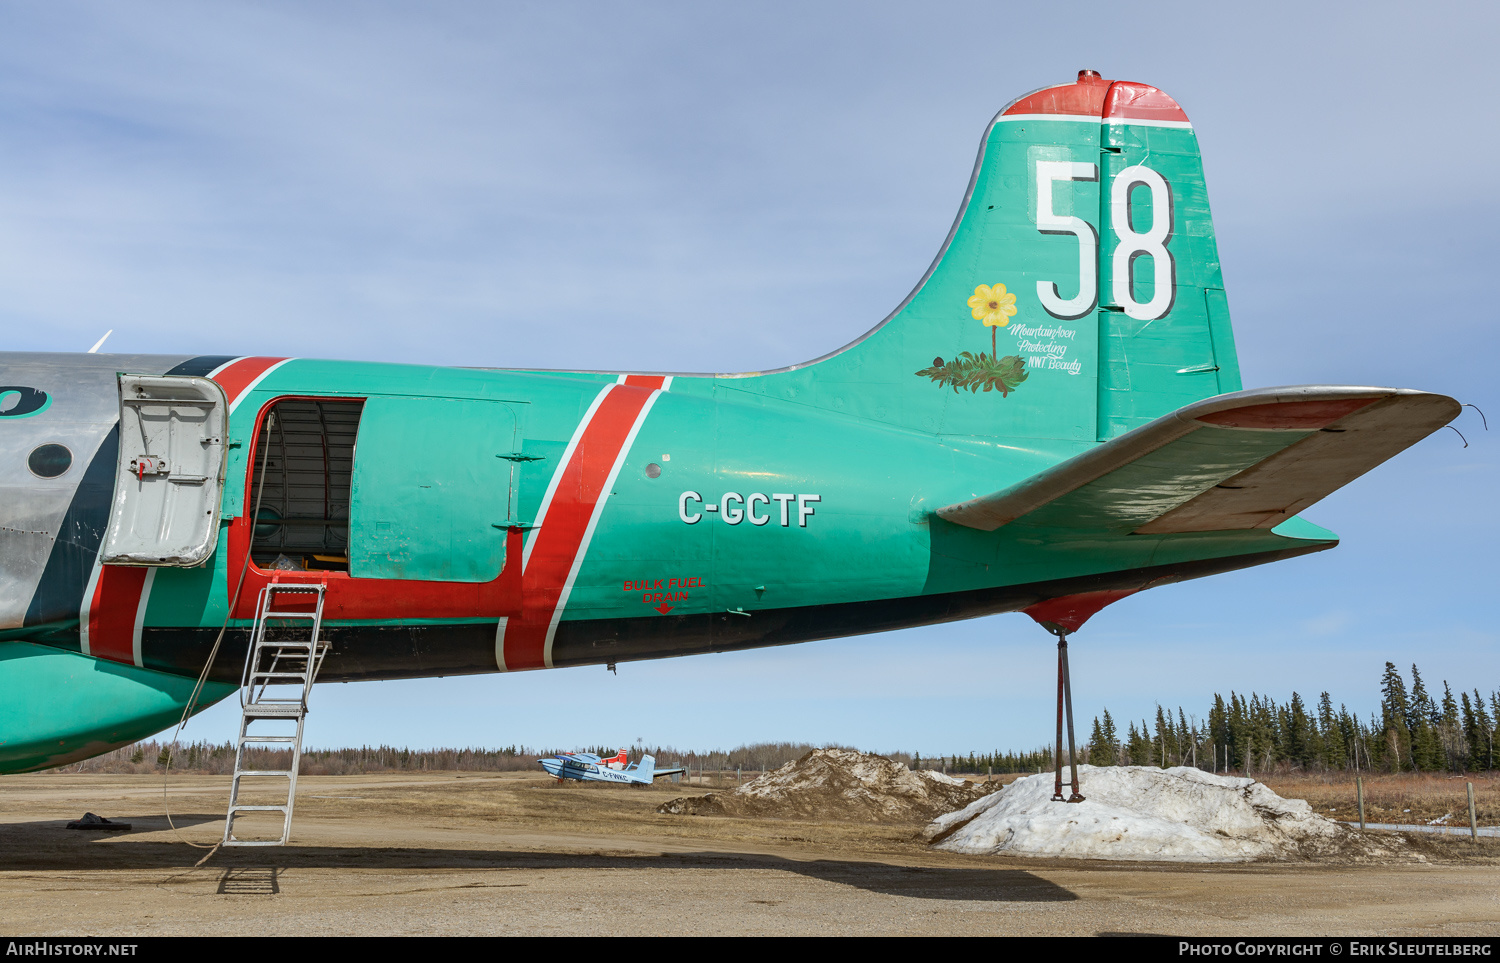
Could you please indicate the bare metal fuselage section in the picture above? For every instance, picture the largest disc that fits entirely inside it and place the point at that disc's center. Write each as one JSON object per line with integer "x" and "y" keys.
{"x": 81, "y": 415}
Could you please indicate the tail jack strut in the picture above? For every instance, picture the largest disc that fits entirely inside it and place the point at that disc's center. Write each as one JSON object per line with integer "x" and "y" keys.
{"x": 1064, "y": 707}
{"x": 1061, "y": 616}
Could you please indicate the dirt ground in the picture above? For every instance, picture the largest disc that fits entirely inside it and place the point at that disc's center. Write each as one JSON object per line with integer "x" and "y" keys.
{"x": 514, "y": 853}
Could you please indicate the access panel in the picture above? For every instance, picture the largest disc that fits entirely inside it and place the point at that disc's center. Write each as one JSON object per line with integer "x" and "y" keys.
{"x": 431, "y": 493}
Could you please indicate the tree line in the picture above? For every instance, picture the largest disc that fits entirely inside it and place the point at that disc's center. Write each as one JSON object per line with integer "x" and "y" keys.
{"x": 1413, "y": 731}
{"x": 211, "y": 758}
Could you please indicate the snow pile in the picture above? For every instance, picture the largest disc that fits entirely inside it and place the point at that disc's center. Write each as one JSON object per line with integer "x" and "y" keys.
{"x": 837, "y": 784}
{"x": 1133, "y": 812}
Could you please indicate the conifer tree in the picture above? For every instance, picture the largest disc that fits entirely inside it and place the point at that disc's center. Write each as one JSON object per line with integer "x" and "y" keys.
{"x": 1485, "y": 758}
{"x": 1451, "y": 732}
{"x": 1473, "y": 739}
{"x": 1331, "y": 742}
{"x": 1349, "y": 729}
{"x": 1218, "y": 732}
{"x": 1394, "y": 703}
{"x": 1240, "y": 748}
{"x": 1099, "y": 750}
{"x": 1426, "y": 747}
{"x": 1299, "y": 742}
{"x": 1422, "y": 706}
{"x": 1395, "y": 712}
{"x": 1111, "y": 739}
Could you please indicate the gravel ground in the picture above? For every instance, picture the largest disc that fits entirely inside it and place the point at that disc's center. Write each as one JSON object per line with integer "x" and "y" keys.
{"x": 446, "y": 853}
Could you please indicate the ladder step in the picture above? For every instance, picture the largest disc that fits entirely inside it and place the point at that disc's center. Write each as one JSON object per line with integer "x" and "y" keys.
{"x": 250, "y": 842}
{"x": 244, "y": 740}
{"x": 264, "y": 772}
{"x": 258, "y": 809}
{"x": 262, "y": 711}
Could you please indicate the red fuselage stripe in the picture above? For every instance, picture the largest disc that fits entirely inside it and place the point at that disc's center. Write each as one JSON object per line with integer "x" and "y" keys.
{"x": 238, "y": 375}
{"x": 117, "y": 597}
{"x": 560, "y": 535}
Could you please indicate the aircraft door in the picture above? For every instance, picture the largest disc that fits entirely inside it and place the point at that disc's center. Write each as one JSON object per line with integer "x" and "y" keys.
{"x": 170, "y": 474}
{"x": 432, "y": 489}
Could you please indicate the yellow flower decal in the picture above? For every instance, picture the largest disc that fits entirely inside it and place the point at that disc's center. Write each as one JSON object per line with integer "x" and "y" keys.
{"x": 993, "y": 305}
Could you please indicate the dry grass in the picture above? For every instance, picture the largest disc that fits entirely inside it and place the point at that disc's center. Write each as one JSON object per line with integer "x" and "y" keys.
{"x": 1394, "y": 798}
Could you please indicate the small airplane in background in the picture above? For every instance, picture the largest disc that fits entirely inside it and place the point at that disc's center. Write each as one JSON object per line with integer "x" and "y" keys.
{"x": 584, "y": 766}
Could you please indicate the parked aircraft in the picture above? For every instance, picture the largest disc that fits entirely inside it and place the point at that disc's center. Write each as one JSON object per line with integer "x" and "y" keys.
{"x": 1052, "y": 420}
{"x": 586, "y": 766}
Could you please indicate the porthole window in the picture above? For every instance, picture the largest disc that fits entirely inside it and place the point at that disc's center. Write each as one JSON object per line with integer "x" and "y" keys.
{"x": 49, "y": 461}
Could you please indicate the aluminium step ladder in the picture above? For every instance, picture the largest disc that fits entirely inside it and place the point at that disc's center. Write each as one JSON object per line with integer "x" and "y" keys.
{"x": 280, "y": 668}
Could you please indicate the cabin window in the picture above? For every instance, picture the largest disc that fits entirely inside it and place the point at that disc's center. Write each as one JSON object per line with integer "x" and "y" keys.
{"x": 307, "y": 446}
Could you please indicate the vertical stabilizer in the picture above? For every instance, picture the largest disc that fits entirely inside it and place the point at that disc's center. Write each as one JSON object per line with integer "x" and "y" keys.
{"x": 1077, "y": 296}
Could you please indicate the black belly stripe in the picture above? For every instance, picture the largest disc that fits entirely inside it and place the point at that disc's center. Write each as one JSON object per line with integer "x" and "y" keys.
{"x": 60, "y": 592}
{"x": 360, "y": 653}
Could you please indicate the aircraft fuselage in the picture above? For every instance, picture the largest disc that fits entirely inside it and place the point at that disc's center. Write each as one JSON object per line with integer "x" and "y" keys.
{"x": 649, "y": 516}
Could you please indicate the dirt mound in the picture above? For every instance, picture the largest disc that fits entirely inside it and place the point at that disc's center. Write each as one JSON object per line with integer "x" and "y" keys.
{"x": 1135, "y": 812}
{"x": 837, "y": 784}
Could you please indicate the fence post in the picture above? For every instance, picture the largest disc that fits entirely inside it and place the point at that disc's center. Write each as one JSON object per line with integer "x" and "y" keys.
{"x": 1473, "y": 820}
{"x": 1359, "y": 790}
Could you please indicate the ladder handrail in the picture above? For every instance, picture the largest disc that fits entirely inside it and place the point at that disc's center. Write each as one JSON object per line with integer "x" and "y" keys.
{"x": 295, "y": 662}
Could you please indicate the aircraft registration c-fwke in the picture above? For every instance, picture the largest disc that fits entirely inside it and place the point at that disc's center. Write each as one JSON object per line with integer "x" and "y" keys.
{"x": 1052, "y": 420}
{"x": 588, "y": 767}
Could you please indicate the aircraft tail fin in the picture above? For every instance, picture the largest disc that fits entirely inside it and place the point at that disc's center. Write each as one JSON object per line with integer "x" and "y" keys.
{"x": 645, "y": 770}
{"x": 1078, "y": 295}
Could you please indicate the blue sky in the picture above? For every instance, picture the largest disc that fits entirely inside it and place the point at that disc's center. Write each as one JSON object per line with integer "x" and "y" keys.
{"x": 710, "y": 188}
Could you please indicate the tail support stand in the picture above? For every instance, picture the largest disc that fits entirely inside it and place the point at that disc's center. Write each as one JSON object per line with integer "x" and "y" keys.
{"x": 1064, "y": 709}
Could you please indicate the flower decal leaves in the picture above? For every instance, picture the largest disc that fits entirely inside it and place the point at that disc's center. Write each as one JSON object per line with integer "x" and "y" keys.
{"x": 978, "y": 372}
{"x": 993, "y": 305}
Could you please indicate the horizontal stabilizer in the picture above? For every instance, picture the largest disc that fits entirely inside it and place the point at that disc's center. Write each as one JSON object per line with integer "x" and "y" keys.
{"x": 1247, "y": 460}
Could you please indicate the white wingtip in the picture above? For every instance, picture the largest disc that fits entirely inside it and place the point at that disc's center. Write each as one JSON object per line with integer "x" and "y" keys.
{"x": 100, "y": 343}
